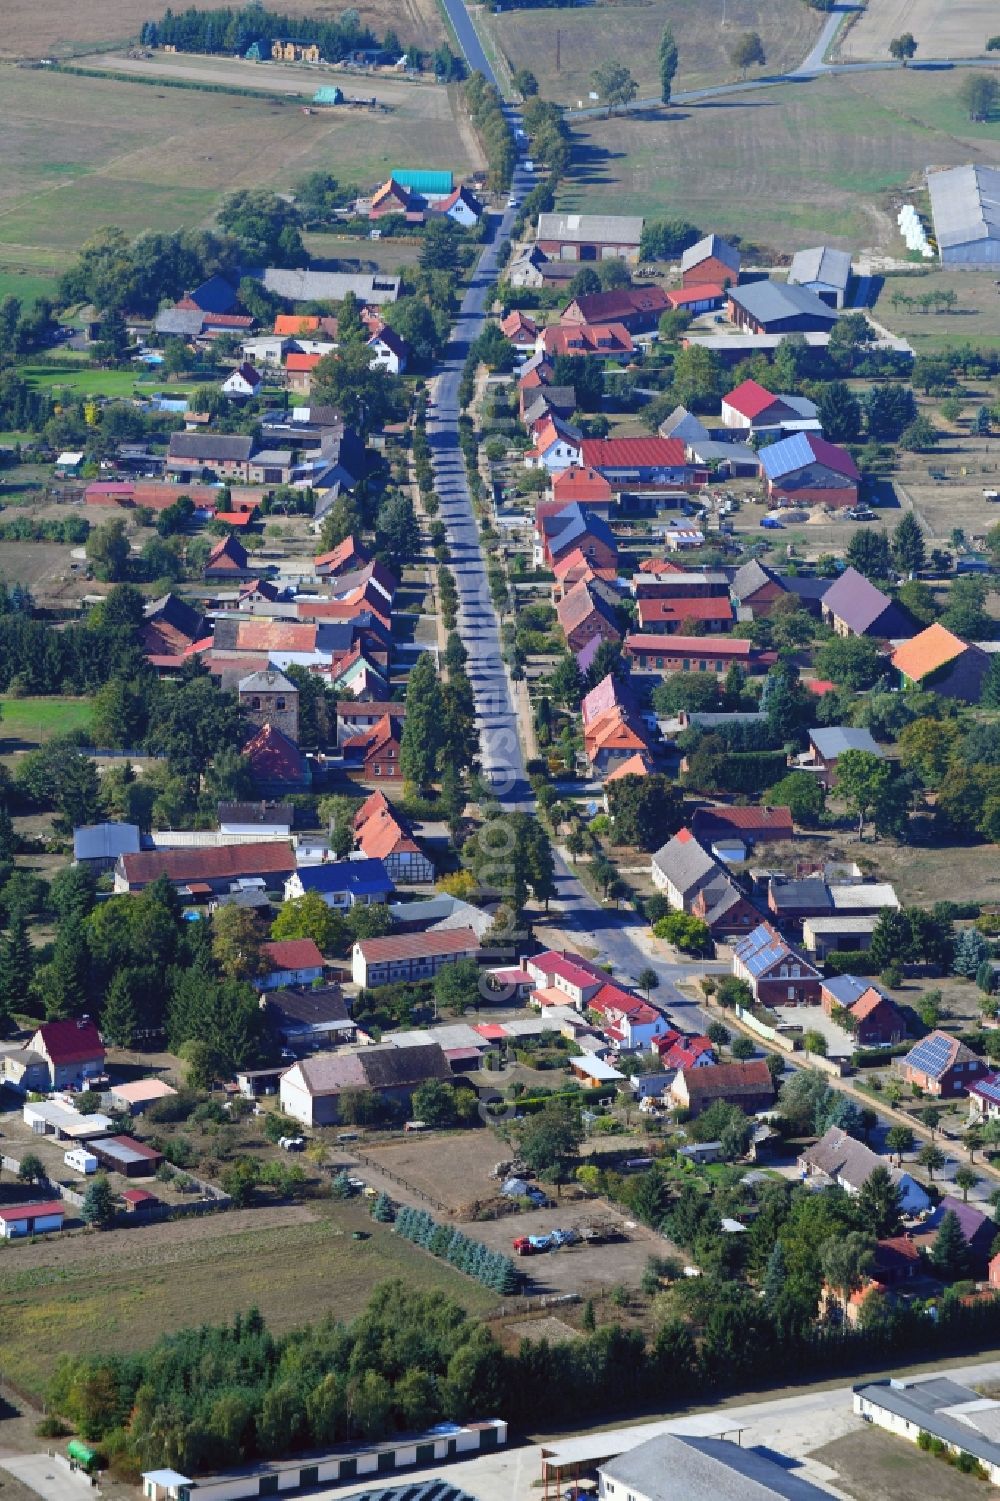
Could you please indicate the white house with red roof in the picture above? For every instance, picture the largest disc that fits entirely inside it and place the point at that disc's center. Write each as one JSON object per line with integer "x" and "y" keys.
{"x": 72, "y": 1051}
{"x": 289, "y": 961}
{"x": 629, "y": 1022}
{"x": 752, "y": 408}
{"x": 626, "y": 462}
{"x": 557, "y": 446}
{"x": 243, "y": 383}
{"x": 688, "y": 1052}
{"x": 461, "y": 206}
{"x": 567, "y": 976}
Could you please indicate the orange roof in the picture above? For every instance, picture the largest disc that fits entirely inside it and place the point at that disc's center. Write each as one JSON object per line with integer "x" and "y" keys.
{"x": 612, "y": 731}
{"x": 635, "y": 766}
{"x": 275, "y": 635}
{"x": 659, "y": 565}
{"x": 582, "y": 484}
{"x": 302, "y": 361}
{"x": 933, "y": 648}
{"x": 296, "y": 323}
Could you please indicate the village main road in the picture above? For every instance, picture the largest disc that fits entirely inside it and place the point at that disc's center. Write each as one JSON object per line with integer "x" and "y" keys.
{"x": 501, "y": 754}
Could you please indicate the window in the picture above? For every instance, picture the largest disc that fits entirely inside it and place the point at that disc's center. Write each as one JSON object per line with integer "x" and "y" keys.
{"x": 255, "y": 703}
{"x": 279, "y": 703}
{"x": 791, "y": 992}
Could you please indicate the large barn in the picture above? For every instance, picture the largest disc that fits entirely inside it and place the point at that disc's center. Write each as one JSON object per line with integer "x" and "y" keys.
{"x": 965, "y": 203}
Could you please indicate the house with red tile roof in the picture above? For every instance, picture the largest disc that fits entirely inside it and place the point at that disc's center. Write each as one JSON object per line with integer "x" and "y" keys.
{"x": 637, "y": 461}
{"x": 662, "y": 653}
{"x": 393, "y": 198}
{"x": 410, "y": 956}
{"x": 380, "y": 833}
{"x": 637, "y": 309}
{"x": 751, "y": 407}
{"x": 375, "y": 751}
{"x": 561, "y": 529}
{"x": 614, "y": 737}
{"x": 572, "y": 979}
{"x": 461, "y": 205}
{"x": 586, "y": 611}
{"x": 756, "y": 825}
{"x": 72, "y": 1051}
{"x": 208, "y": 870}
{"x": 583, "y": 486}
{"x": 631, "y": 1024}
{"x": 519, "y": 329}
{"x": 171, "y": 626}
{"x": 688, "y": 1053}
{"x": 938, "y": 660}
{"x": 675, "y": 615}
{"x": 345, "y": 557}
{"x": 557, "y": 445}
{"x": 276, "y": 763}
{"x": 228, "y": 560}
{"x": 605, "y": 341}
{"x": 299, "y": 369}
{"x": 747, "y": 1085}
{"x": 637, "y": 765}
{"x": 878, "y": 1024}
{"x": 289, "y": 961}
{"x": 574, "y": 568}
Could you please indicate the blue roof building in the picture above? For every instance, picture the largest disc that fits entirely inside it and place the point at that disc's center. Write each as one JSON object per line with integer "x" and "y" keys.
{"x": 428, "y": 183}
{"x": 343, "y": 883}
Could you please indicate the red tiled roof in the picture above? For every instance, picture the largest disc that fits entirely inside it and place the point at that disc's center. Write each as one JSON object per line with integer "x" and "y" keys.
{"x": 750, "y": 399}
{"x": 44, "y": 1207}
{"x": 694, "y": 646}
{"x": 207, "y": 864}
{"x": 629, "y": 453}
{"x": 417, "y": 945}
{"x": 653, "y": 612}
{"x": 580, "y": 483}
{"x": 635, "y": 766}
{"x": 775, "y": 821}
{"x": 293, "y": 953}
{"x": 730, "y": 1078}
{"x": 302, "y": 362}
{"x": 681, "y": 296}
{"x": 587, "y": 339}
{"x": 139, "y": 1196}
{"x": 295, "y": 323}
{"x": 273, "y": 756}
{"x": 71, "y": 1041}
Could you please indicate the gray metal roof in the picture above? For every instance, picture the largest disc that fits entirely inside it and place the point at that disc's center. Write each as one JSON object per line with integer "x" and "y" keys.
{"x": 268, "y": 681}
{"x": 715, "y": 247}
{"x": 836, "y": 739}
{"x": 711, "y": 452}
{"x": 676, "y": 1467}
{"x": 684, "y": 425}
{"x": 105, "y": 841}
{"x": 610, "y": 229}
{"x": 955, "y": 1413}
{"x": 217, "y": 447}
{"x": 965, "y": 202}
{"x": 770, "y": 301}
{"x": 831, "y": 268}
{"x": 329, "y": 286}
{"x": 186, "y": 322}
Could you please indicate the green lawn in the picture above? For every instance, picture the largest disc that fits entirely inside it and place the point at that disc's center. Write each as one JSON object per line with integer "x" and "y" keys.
{"x": 88, "y": 380}
{"x": 31, "y": 721}
{"x": 25, "y": 287}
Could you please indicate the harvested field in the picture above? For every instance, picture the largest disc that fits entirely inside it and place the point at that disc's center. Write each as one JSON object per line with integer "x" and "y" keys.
{"x": 83, "y": 153}
{"x": 43, "y": 567}
{"x": 975, "y": 318}
{"x": 123, "y": 1289}
{"x": 876, "y": 1466}
{"x": 453, "y": 1169}
{"x": 591, "y": 34}
{"x": 64, "y": 28}
{"x": 958, "y": 29}
{"x": 782, "y": 167}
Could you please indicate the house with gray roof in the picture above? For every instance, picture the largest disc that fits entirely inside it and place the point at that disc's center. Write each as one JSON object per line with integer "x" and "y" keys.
{"x": 756, "y": 587}
{"x": 852, "y": 606}
{"x": 824, "y": 271}
{"x": 192, "y": 455}
{"x": 684, "y": 425}
{"x": 843, "y": 1160}
{"x": 310, "y": 1090}
{"x": 965, "y": 1421}
{"x": 678, "y": 1467}
{"x": 828, "y": 744}
{"x": 711, "y": 261}
{"x": 694, "y": 881}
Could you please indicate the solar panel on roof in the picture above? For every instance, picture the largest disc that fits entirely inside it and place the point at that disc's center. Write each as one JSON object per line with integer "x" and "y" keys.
{"x": 931, "y": 1055}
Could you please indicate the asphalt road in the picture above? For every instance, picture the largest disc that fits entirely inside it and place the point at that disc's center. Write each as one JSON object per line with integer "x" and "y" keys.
{"x": 501, "y": 756}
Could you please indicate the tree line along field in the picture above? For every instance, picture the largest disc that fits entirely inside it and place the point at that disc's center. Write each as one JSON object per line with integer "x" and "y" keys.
{"x": 782, "y": 167}
{"x": 631, "y": 32}
{"x": 64, "y": 27}
{"x": 82, "y": 153}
